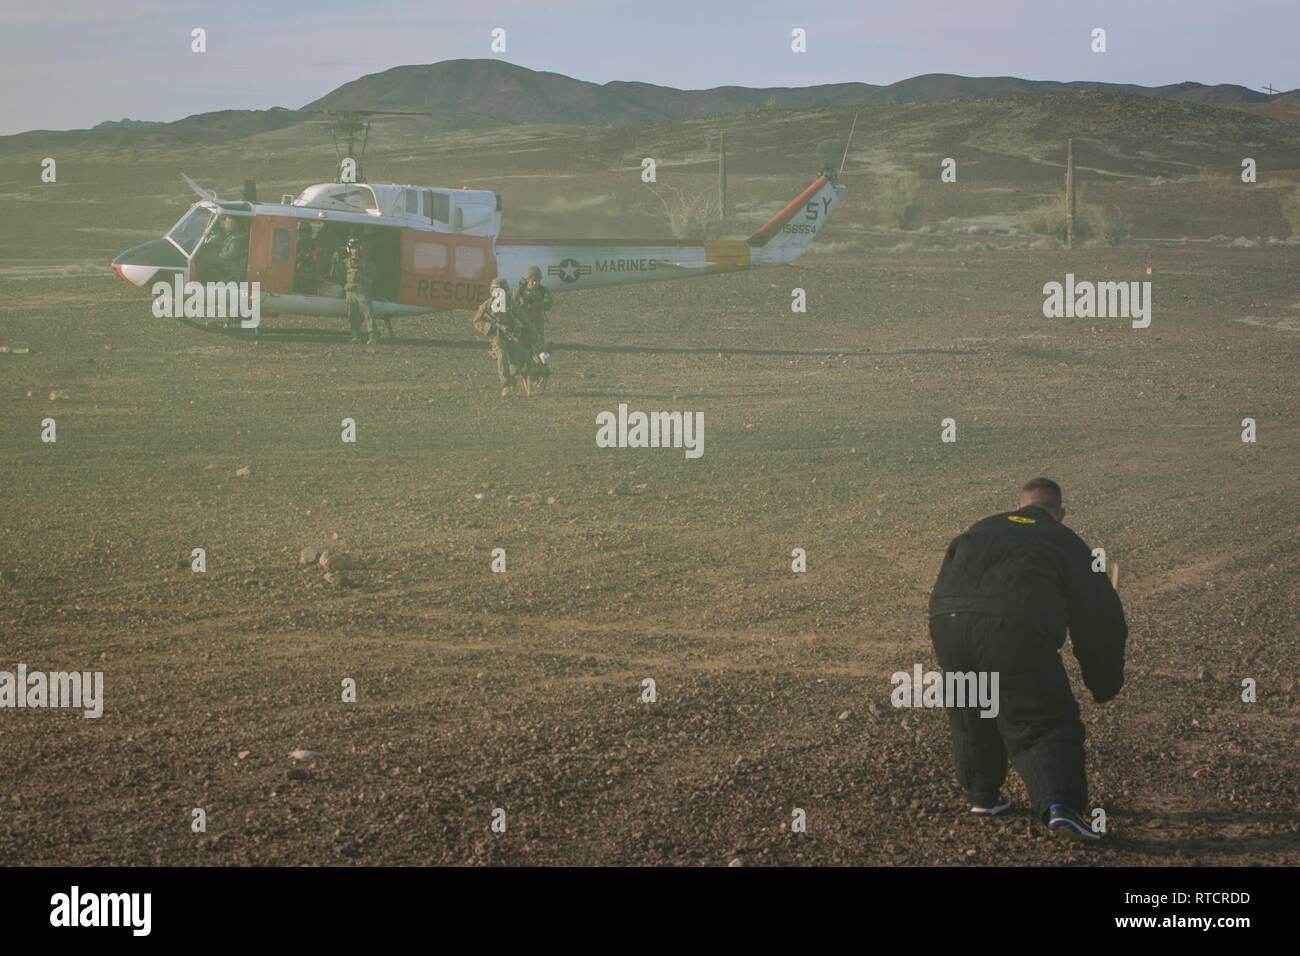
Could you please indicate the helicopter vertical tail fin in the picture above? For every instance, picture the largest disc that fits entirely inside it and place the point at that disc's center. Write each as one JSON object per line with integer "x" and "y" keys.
{"x": 785, "y": 236}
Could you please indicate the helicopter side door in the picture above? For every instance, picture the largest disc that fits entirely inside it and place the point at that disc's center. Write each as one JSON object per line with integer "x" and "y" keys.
{"x": 445, "y": 271}
{"x": 272, "y": 245}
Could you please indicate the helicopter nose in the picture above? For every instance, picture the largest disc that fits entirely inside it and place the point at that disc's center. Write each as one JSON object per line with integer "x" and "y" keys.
{"x": 146, "y": 263}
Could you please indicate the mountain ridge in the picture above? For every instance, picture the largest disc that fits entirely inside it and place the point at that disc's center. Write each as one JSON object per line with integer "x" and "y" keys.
{"x": 477, "y": 93}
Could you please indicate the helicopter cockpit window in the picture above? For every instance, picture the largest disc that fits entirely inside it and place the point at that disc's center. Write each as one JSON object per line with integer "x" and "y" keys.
{"x": 190, "y": 229}
{"x": 412, "y": 201}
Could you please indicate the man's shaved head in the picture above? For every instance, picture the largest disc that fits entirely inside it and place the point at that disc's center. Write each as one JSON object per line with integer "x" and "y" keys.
{"x": 1046, "y": 494}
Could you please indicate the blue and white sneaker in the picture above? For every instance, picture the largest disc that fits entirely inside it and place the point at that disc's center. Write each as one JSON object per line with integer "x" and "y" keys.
{"x": 991, "y": 808}
{"x": 1065, "y": 824}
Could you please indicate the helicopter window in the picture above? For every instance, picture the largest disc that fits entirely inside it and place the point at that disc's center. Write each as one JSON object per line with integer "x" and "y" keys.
{"x": 412, "y": 202}
{"x": 430, "y": 257}
{"x": 190, "y": 229}
{"x": 469, "y": 261}
{"x": 280, "y": 245}
{"x": 440, "y": 210}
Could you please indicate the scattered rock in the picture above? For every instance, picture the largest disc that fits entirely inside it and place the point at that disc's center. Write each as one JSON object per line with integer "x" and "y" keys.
{"x": 736, "y": 862}
{"x": 309, "y": 555}
{"x": 301, "y": 754}
{"x": 333, "y": 561}
{"x": 243, "y": 472}
{"x": 845, "y": 715}
{"x": 243, "y": 754}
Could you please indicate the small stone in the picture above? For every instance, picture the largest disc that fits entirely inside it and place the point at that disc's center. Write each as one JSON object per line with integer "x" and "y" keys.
{"x": 332, "y": 561}
{"x": 243, "y": 472}
{"x": 845, "y": 715}
{"x": 736, "y": 862}
{"x": 243, "y": 754}
{"x": 301, "y": 754}
{"x": 309, "y": 555}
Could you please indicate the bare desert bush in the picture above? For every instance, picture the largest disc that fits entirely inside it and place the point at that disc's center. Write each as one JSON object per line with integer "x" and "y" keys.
{"x": 1290, "y": 204}
{"x": 898, "y": 200}
{"x": 691, "y": 214}
{"x": 1090, "y": 222}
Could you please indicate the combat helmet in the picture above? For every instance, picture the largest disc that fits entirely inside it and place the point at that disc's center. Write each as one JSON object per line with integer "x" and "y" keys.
{"x": 534, "y": 273}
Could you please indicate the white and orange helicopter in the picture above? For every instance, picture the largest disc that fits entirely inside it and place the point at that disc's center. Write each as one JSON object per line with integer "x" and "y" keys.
{"x": 438, "y": 248}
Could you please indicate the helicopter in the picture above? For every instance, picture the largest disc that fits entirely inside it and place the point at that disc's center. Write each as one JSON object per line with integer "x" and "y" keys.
{"x": 432, "y": 248}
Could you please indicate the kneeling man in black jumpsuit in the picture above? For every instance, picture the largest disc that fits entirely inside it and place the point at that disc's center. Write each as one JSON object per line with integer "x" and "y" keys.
{"x": 1009, "y": 587}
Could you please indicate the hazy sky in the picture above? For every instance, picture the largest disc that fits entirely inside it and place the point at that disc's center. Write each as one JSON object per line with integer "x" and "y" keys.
{"x": 72, "y": 63}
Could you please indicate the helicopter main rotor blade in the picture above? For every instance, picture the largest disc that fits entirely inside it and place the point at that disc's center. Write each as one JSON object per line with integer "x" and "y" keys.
{"x": 202, "y": 193}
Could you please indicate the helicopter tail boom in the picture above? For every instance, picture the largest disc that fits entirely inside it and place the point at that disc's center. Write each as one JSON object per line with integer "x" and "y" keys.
{"x": 596, "y": 263}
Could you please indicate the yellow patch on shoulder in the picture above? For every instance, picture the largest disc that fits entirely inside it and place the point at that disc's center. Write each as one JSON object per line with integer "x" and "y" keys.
{"x": 1021, "y": 519}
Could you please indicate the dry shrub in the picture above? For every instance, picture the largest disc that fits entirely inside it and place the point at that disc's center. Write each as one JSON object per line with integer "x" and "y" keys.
{"x": 898, "y": 200}
{"x": 1090, "y": 221}
{"x": 1290, "y": 204}
{"x": 690, "y": 214}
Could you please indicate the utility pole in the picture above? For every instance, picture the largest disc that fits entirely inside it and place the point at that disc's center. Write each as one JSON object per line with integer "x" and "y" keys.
{"x": 1069, "y": 192}
{"x": 722, "y": 176}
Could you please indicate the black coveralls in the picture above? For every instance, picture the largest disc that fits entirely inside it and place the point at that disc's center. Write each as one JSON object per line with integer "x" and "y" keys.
{"x": 1009, "y": 587}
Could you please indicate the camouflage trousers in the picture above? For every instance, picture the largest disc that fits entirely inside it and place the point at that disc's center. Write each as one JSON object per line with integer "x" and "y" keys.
{"x": 511, "y": 358}
{"x": 360, "y": 313}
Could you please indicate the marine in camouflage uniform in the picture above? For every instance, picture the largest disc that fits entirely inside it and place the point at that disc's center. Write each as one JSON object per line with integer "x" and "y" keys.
{"x": 503, "y": 331}
{"x": 359, "y": 278}
{"x": 224, "y": 256}
{"x": 533, "y": 300}
{"x": 305, "y": 277}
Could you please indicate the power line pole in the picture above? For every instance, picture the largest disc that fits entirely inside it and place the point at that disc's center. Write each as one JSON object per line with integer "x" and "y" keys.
{"x": 1069, "y": 192}
{"x": 722, "y": 176}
